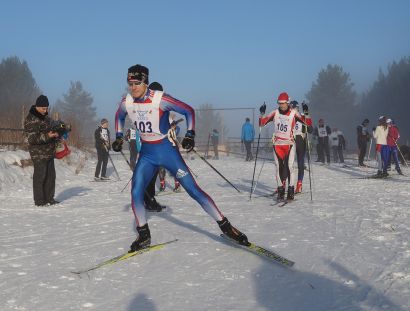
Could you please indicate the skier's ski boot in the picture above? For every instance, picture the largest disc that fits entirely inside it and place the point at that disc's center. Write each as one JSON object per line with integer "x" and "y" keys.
{"x": 291, "y": 193}
{"x": 177, "y": 185}
{"x": 143, "y": 240}
{"x": 298, "y": 187}
{"x": 232, "y": 232}
{"x": 385, "y": 174}
{"x": 105, "y": 178}
{"x": 399, "y": 171}
{"x": 281, "y": 193}
{"x": 152, "y": 205}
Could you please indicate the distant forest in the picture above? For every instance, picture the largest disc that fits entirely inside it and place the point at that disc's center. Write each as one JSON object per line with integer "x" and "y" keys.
{"x": 333, "y": 98}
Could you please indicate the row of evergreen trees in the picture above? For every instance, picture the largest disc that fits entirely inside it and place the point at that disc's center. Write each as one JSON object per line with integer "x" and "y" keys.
{"x": 334, "y": 99}
{"x": 18, "y": 90}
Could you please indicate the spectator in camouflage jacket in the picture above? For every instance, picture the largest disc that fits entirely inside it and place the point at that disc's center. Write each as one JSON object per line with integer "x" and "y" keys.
{"x": 41, "y": 145}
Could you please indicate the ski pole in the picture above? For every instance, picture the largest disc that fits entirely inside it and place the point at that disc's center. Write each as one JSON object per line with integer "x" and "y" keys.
{"x": 126, "y": 184}
{"x": 129, "y": 164}
{"x": 370, "y": 148}
{"x": 398, "y": 148}
{"x": 112, "y": 163}
{"x": 254, "y": 167}
{"x": 210, "y": 165}
{"x": 257, "y": 179}
{"x": 126, "y": 160}
{"x": 310, "y": 169}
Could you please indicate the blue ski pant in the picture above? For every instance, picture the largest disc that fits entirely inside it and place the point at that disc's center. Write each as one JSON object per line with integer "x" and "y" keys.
{"x": 154, "y": 155}
{"x": 300, "y": 155}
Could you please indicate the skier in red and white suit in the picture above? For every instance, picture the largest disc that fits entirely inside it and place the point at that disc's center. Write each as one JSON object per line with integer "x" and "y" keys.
{"x": 284, "y": 119}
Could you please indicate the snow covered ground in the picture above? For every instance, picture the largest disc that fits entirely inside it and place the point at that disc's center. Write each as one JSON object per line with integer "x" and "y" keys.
{"x": 350, "y": 245}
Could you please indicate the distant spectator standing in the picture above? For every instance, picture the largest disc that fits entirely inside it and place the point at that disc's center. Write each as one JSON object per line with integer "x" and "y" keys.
{"x": 41, "y": 146}
{"x": 393, "y": 136}
{"x": 363, "y": 136}
{"x": 102, "y": 144}
{"x": 338, "y": 143}
{"x": 215, "y": 143}
{"x": 134, "y": 144}
{"x": 382, "y": 150}
{"x": 247, "y": 137}
{"x": 322, "y": 132}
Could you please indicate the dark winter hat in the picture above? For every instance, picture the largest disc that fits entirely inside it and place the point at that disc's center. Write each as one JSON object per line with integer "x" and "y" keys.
{"x": 104, "y": 121}
{"x": 156, "y": 86}
{"x": 366, "y": 121}
{"x": 294, "y": 104}
{"x": 138, "y": 73}
{"x": 42, "y": 101}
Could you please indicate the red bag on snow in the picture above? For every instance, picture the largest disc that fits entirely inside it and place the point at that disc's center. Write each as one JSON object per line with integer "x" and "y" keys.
{"x": 61, "y": 149}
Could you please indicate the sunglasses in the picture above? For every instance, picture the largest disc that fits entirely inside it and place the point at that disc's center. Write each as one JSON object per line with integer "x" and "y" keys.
{"x": 135, "y": 83}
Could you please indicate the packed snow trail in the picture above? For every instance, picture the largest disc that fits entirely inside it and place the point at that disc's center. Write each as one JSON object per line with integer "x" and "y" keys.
{"x": 350, "y": 244}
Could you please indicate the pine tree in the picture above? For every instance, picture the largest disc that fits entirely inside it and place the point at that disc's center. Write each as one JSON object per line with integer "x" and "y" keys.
{"x": 333, "y": 99}
{"x": 17, "y": 87}
{"x": 77, "y": 107}
{"x": 389, "y": 96}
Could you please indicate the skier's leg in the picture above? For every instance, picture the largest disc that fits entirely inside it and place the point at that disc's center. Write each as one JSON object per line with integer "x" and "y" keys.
{"x": 39, "y": 175}
{"x": 385, "y": 155}
{"x": 335, "y": 154}
{"x": 178, "y": 168}
{"x": 142, "y": 175}
{"x": 289, "y": 164}
{"x": 327, "y": 151}
{"x": 300, "y": 155}
{"x": 394, "y": 151}
{"x": 104, "y": 164}
{"x": 99, "y": 163}
{"x": 281, "y": 170}
{"x": 340, "y": 151}
{"x": 161, "y": 174}
{"x": 50, "y": 182}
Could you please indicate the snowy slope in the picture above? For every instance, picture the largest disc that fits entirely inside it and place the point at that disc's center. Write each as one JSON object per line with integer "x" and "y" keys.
{"x": 350, "y": 245}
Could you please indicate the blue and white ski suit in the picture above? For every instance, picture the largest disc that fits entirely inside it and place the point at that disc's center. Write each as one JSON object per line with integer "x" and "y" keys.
{"x": 150, "y": 114}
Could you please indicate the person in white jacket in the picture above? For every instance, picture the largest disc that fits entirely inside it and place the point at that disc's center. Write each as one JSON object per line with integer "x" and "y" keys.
{"x": 380, "y": 135}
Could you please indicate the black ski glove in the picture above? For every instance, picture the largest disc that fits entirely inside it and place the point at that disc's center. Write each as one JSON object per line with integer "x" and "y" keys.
{"x": 305, "y": 108}
{"x": 262, "y": 109}
{"x": 117, "y": 144}
{"x": 188, "y": 141}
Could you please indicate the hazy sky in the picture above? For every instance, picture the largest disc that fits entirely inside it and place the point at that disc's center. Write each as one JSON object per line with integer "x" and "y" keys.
{"x": 227, "y": 53}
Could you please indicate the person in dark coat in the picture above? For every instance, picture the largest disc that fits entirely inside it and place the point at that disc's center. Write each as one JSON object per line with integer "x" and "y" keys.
{"x": 102, "y": 144}
{"x": 41, "y": 146}
{"x": 363, "y": 136}
{"x": 322, "y": 132}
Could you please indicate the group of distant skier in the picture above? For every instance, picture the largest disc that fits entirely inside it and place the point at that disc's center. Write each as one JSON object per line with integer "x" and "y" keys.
{"x": 385, "y": 135}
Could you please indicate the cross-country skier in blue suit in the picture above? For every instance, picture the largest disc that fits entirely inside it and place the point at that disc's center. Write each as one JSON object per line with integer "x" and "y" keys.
{"x": 149, "y": 110}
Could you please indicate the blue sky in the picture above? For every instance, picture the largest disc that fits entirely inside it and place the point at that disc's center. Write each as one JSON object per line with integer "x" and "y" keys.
{"x": 227, "y": 53}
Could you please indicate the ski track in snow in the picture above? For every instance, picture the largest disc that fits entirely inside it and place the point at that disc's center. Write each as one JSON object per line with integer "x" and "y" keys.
{"x": 350, "y": 243}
